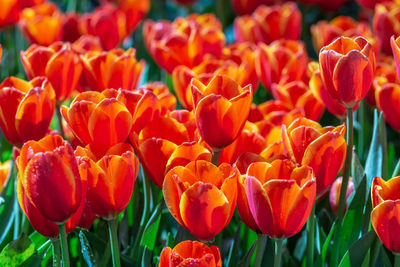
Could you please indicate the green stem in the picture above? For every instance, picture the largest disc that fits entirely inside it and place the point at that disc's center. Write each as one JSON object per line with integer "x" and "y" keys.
{"x": 59, "y": 120}
{"x": 215, "y": 157}
{"x": 17, "y": 214}
{"x": 64, "y": 245}
{"x": 278, "y": 252}
{"x": 56, "y": 252}
{"x": 396, "y": 260}
{"x": 343, "y": 189}
{"x": 261, "y": 242}
{"x": 311, "y": 237}
{"x": 112, "y": 229}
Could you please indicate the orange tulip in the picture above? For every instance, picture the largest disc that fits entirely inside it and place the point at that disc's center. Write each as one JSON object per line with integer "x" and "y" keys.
{"x": 385, "y": 75}
{"x": 386, "y": 210}
{"x": 190, "y": 253}
{"x": 386, "y": 23}
{"x": 387, "y": 99}
{"x": 50, "y": 163}
{"x": 135, "y": 11}
{"x": 9, "y": 12}
{"x": 277, "y": 112}
{"x": 58, "y": 62}
{"x": 112, "y": 69}
{"x": 42, "y": 24}
{"x": 324, "y": 32}
{"x": 261, "y": 25}
{"x": 297, "y": 94}
{"x": 26, "y": 109}
{"x": 164, "y": 144}
{"x": 371, "y": 3}
{"x": 201, "y": 196}
{"x": 185, "y": 41}
{"x": 105, "y": 119}
{"x": 110, "y": 178}
{"x": 182, "y": 77}
{"x": 347, "y": 68}
{"x": 221, "y": 110}
{"x": 106, "y": 22}
{"x": 167, "y": 100}
{"x": 283, "y": 60}
{"x": 323, "y": 149}
{"x": 276, "y": 199}
{"x": 334, "y": 193}
{"x": 5, "y": 169}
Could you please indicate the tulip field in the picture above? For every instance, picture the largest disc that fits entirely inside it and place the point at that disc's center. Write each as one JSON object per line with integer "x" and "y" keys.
{"x": 196, "y": 133}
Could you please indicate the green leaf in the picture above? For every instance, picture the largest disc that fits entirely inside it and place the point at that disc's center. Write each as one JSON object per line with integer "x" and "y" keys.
{"x": 146, "y": 257}
{"x": 149, "y": 236}
{"x": 234, "y": 249}
{"x": 86, "y": 250}
{"x": 376, "y": 164}
{"x": 357, "y": 170}
{"x": 396, "y": 171}
{"x": 17, "y": 251}
{"x": 7, "y": 212}
{"x": 325, "y": 246}
{"x": 245, "y": 262}
{"x": 356, "y": 254}
{"x": 352, "y": 224}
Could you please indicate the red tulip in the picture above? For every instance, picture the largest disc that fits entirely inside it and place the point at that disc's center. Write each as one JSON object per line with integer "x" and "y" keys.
{"x": 334, "y": 193}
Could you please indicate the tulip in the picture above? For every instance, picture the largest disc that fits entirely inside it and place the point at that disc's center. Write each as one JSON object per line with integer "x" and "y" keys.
{"x": 87, "y": 43}
{"x": 164, "y": 144}
{"x": 370, "y": 4}
{"x": 261, "y": 25}
{"x": 276, "y": 199}
{"x": 297, "y": 94}
{"x": 167, "y": 100}
{"x": 323, "y": 149}
{"x": 185, "y": 41}
{"x": 112, "y": 69}
{"x": 387, "y": 99}
{"x": 248, "y": 6}
{"x": 190, "y": 253}
{"x": 135, "y": 11}
{"x": 335, "y": 193}
{"x": 324, "y": 32}
{"x": 221, "y": 110}
{"x": 347, "y": 68}
{"x": 385, "y": 213}
{"x": 58, "y": 63}
{"x": 26, "y": 109}
{"x": 42, "y": 24}
{"x": 201, "y": 196}
{"x": 283, "y": 60}
{"x": 5, "y": 169}
{"x": 386, "y": 23}
{"x": 9, "y": 13}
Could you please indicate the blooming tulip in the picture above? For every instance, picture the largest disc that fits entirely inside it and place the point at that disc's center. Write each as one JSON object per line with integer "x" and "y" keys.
{"x": 5, "y": 169}
{"x": 42, "y": 24}
{"x": 323, "y": 149}
{"x": 59, "y": 63}
{"x": 386, "y": 211}
{"x": 347, "y": 68}
{"x": 284, "y": 60}
{"x": 50, "y": 163}
{"x": 221, "y": 110}
{"x": 105, "y": 119}
{"x": 110, "y": 179}
{"x": 26, "y": 109}
{"x": 113, "y": 69}
{"x": 201, "y": 196}
{"x": 167, "y": 100}
{"x": 189, "y": 253}
{"x": 276, "y": 199}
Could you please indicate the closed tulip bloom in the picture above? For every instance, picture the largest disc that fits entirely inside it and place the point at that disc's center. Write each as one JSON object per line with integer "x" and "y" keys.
{"x": 105, "y": 119}
{"x": 9, "y": 13}
{"x": 386, "y": 23}
{"x": 135, "y": 11}
{"x": 201, "y": 196}
{"x": 387, "y": 100}
{"x": 26, "y": 109}
{"x": 190, "y": 253}
{"x": 324, "y": 149}
{"x": 261, "y": 25}
{"x": 221, "y": 110}
{"x": 276, "y": 199}
{"x": 87, "y": 43}
{"x": 42, "y": 24}
{"x": 5, "y": 169}
{"x": 164, "y": 144}
{"x": 59, "y": 63}
{"x": 247, "y": 6}
{"x": 167, "y": 99}
{"x": 324, "y": 32}
{"x": 185, "y": 41}
{"x": 112, "y": 69}
{"x": 50, "y": 163}
{"x": 370, "y": 4}
{"x": 284, "y": 60}
{"x": 334, "y": 193}
{"x": 110, "y": 179}
{"x": 347, "y": 68}
{"x": 386, "y": 210}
